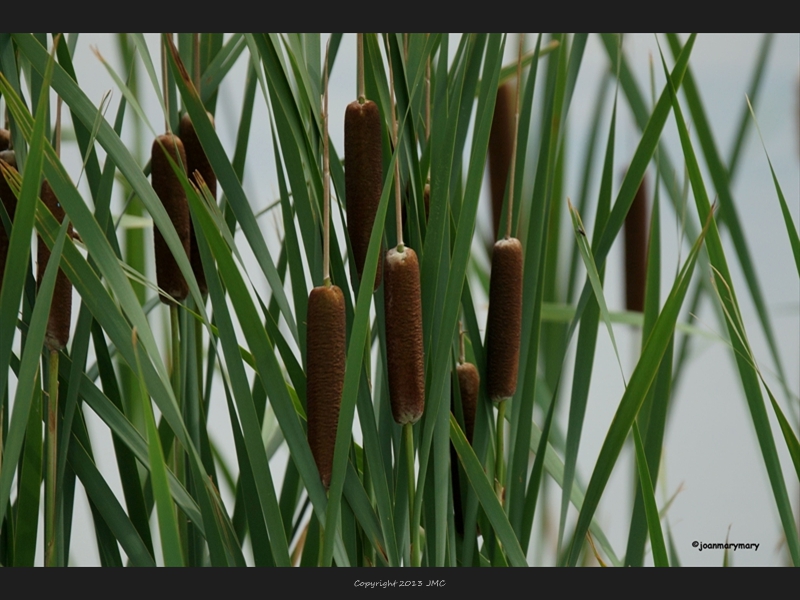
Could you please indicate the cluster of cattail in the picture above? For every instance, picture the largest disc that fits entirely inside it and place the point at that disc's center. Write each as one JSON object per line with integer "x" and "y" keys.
{"x": 636, "y": 250}
{"x": 363, "y": 177}
{"x": 187, "y": 153}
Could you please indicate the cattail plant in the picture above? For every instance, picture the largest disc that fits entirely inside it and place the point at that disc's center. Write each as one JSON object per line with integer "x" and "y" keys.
{"x": 58, "y": 323}
{"x": 636, "y": 250}
{"x": 197, "y": 163}
{"x": 404, "y": 347}
{"x": 406, "y": 362}
{"x": 468, "y": 388}
{"x": 504, "y": 321}
{"x": 363, "y": 171}
{"x": 469, "y": 383}
{"x": 403, "y": 307}
{"x": 325, "y": 340}
{"x": 325, "y": 348}
{"x": 170, "y": 192}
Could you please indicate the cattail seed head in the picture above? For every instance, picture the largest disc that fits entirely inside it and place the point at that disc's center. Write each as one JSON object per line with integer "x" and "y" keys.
{"x": 504, "y": 321}
{"x": 636, "y": 250}
{"x": 469, "y": 383}
{"x": 326, "y": 349}
{"x": 170, "y": 192}
{"x": 363, "y": 177}
{"x": 501, "y": 142}
{"x": 58, "y": 323}
{"x": 197, "y": 161}
{"x": 405, "y": 357}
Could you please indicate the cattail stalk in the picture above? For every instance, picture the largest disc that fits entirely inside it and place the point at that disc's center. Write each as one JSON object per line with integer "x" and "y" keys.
{"x": 326, "y": 340}
{"x": 56, "y": 338}
{"x": 404, "y": 348}
{"x": 504, "y": 321}
{"x": 51, "y": 460}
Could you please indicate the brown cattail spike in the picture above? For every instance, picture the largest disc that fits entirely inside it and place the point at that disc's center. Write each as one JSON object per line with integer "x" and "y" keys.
{"x": 197, "y": 161}
{"x": 404, "y": 353}
{"x": 326, "y": 349}
{"x": 636, "y": 250}
{"x": 170, "y": 192}
{"x": 504, "y": 321}
{"x": 500, "y": 149}
{"x": 9, "y": 200}
{"x": 58, "y": 323}
{"x": 469, "y": 382}
{"x": 363, "y": 177}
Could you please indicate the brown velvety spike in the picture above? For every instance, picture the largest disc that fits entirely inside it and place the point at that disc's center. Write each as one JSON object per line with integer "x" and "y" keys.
{"x": 170, "y": 192}
{"x": 197, "y": 160}
{"x": 404, "y": 353}
{"x": 504, "y": 321}
{"x": 363, "y": 177}
{"x": 469, "y": 383}
{"x": 326, "y": 350}
{"x": 501, "y": 140}
{"x": 5, "y": 139}
{"x": 58, "y": 323}
{"x": 10, "y": 203}
{"x": 636, "y": 250}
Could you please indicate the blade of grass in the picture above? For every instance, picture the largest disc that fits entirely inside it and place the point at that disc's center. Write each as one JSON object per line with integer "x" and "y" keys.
{"x": 653, "y": 520}
{"x": 485, "y": 492}
{"x": 167, "y": 523}
{"x": 791, "y": 230}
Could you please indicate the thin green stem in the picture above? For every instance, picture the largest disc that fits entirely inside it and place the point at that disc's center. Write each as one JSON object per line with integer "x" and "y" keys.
{"x": 360, "y": 67}
{"x": 326, "y": 182}
{"x": 499, "y": 468}
{"x": 408, "y": 432}
{"x": 177, "y": 451}
{"x": 50, "y": 554}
